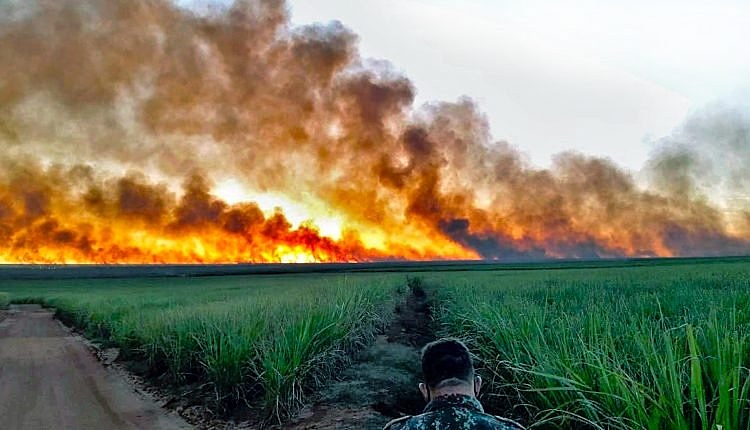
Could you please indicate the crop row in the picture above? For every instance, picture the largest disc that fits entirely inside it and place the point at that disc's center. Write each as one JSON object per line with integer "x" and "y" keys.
{"x": 620, "y": 349}
{"x": 268, "y": 342}
{"x": 655, "y": 347}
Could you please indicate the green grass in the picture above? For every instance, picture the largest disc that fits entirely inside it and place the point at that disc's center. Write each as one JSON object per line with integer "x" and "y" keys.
{"x": 265, "y": 337}
{"x": 646, "y": 348}
{"x": 602, "y": 345}
{"x": 4, "y": 300}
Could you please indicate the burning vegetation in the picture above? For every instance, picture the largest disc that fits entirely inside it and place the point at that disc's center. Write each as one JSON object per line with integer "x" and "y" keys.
{"x": 118, "y": 120}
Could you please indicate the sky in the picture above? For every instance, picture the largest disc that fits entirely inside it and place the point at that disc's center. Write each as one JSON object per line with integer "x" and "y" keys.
{"x": 603, "y": 78}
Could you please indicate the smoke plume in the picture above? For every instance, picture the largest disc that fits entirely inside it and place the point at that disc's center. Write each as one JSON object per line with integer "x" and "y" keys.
{"x": 118, "y": 119}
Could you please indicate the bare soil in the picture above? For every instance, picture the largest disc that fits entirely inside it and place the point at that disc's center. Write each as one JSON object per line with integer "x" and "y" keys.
{"x": 49, "y": 379}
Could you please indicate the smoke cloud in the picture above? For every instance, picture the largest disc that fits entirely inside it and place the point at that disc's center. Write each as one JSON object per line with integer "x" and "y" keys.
{"x": 119, "y": 118}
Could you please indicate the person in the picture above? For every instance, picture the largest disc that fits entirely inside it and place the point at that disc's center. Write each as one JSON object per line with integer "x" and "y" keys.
{"x": 450, "y": 387}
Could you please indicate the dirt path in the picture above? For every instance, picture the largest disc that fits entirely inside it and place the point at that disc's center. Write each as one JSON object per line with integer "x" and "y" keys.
{"x": 50, "y": 379}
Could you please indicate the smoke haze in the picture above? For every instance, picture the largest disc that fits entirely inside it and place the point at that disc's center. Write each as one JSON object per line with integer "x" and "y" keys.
{"x": 118, "y": 119}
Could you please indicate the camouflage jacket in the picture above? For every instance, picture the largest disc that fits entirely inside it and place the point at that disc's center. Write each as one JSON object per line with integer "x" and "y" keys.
{"x": 453, "y": 412}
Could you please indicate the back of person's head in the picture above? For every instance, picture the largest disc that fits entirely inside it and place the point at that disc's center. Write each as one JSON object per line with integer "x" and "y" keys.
{"x": 446, "y": 362}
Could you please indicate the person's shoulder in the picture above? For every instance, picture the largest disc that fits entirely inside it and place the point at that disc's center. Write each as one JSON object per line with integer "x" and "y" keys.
{"x": 397, "y": 423}
{"x": 508, "y": 424}
{"x": 478, "y": 420}
{"x": 496, "y": 422}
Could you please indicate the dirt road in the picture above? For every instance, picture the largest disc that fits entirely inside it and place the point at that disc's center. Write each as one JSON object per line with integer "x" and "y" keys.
{"x": 50, "y": 380}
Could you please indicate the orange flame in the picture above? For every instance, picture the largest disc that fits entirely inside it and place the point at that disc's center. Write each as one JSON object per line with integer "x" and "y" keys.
{"x": 108, "y": 103}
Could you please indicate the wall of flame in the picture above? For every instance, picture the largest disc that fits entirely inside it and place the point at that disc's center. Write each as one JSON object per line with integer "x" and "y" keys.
{"x": 118, "y": 120}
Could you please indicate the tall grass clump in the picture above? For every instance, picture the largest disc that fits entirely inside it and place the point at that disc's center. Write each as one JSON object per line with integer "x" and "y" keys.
{"x": 312, "y": 343}
{"x": 652, "y": 349}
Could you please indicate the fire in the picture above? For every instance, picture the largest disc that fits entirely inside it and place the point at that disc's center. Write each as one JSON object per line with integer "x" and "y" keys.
{"x": 138, "y": 132}
{"x": 136, "y": 223}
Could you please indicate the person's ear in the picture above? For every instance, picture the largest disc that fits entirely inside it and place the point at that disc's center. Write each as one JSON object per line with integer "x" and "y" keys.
{"x": 477, "y": 384}
{"x": 425, "y": 391}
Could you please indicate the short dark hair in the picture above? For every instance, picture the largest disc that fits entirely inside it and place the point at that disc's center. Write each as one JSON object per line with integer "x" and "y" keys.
{"x": 446, "y": 359}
